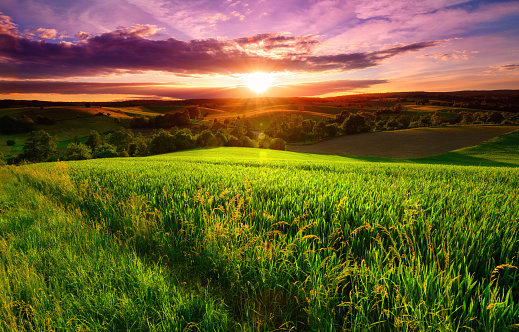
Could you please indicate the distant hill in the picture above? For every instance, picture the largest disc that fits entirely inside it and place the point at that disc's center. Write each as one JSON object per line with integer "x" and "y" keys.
{"x": 502, "y": 100}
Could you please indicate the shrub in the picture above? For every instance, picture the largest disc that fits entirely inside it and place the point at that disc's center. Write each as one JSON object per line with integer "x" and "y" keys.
{"x": 184, "y": 140}
{"x": 278, "y": 144}
{"x": 162, "y": 142}
{"x": 121, "y": 139}
{"x": 77, "y": 151}
{"x": 139, "y": 147}
{"x": 246, "y": 142}
{"x": 10, "y": 142}
{"x": 105, "y": 151}
{"x": 206, "y": 138}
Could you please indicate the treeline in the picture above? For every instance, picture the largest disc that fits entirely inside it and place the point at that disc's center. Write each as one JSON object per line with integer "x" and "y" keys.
{"x": 10, "y": 125}
{"x": 41, "y": 146}
{"x": 292, "y": 128}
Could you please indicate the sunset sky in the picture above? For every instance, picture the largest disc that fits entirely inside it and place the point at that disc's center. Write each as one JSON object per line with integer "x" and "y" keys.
{"x": 99, "y": 50}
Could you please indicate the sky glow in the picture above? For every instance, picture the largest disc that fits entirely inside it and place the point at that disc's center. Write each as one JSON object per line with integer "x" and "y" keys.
{"x": 123, "y": 49}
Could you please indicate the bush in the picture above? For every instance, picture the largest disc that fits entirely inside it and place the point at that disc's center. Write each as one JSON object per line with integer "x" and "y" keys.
{"x": 184, "y": 140}
{"x": 206, "y": 138}
{"x": 121, "y": 139}
{"x": 10, "y": 142}
{"x": 139, "y": 147}
{"x": 278, "y": 144}
{"x": 246, "y": 142}
{"x": 77, "y": 151}
{"x": 264, "y": 141}
{"x": 162, "y": 142}
{"x": 105, "y": 151}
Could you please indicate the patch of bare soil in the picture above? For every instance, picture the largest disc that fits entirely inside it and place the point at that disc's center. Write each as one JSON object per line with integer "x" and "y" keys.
{"x": 406, "y": 144}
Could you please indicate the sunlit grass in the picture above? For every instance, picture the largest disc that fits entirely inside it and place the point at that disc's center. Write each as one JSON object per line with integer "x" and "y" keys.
{"x": 292, "y": 241}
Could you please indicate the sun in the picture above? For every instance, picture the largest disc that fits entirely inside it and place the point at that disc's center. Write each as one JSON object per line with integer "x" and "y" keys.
{"x": 258, "y": 82}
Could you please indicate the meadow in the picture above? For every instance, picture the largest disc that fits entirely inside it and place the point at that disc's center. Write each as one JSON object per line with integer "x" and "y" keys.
{"x": 257, "y": 240}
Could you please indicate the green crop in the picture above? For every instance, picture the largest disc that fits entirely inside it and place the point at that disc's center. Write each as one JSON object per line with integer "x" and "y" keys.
{"x": 307, "y": 242}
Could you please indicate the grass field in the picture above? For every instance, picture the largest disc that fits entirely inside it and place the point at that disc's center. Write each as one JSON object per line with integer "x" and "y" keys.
{"x": 257, "y": 240}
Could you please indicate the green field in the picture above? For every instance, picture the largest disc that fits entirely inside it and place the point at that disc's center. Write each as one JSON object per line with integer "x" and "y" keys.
{"x": 499, "y": 151}
{"x": 237, "y": 239}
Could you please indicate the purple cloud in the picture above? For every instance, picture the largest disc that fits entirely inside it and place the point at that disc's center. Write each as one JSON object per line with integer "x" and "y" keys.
{"x": 127, "y": 50}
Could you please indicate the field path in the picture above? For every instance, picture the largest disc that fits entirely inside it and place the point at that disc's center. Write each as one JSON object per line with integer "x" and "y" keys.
{"x": 406, "y": 144}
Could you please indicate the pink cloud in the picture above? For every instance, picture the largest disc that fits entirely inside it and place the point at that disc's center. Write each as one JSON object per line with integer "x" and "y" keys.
{"x": 127, "y": 50}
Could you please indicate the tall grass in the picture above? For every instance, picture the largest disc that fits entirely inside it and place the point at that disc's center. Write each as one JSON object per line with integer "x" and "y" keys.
{"x": 316, "y": 243}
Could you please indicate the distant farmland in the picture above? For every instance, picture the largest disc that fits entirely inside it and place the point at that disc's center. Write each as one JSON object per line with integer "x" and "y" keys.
{"x": 405, "y": 144}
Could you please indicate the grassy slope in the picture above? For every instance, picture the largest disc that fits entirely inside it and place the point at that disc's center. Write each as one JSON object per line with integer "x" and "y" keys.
{"x": 279, "y": 237}
{"x": 499, "y": 151}
{"x": 59, "y": 273}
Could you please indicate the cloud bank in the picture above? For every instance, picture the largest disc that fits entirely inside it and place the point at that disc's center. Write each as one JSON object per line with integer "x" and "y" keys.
{"x": 179, "y": 90}
{"x": 130, "y": 50}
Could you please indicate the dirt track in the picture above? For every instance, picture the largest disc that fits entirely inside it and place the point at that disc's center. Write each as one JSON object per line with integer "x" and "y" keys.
{"x": 405, "y": 144}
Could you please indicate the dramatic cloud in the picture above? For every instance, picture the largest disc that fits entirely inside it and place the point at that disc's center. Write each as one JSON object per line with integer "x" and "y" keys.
{"x": 419, "y": 44}
{"x": 127, "y": 50}
{"x": 176, "y": 90}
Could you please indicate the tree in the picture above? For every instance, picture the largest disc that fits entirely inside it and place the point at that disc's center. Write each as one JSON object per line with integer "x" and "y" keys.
{"x": 77, "y": 151}
{"x": 184, "y": 140}
{"x": 354, "y": 124}
{"x": 139, "y": 146}
{"x": 496, "y": 117}
{"x": 121, "y": 139}
{"x": 94, "y": 140}
{"x": 264, "y": 141}
{"x": 194, "y": 112}
{"x": 404, "y": 121}
{"x": 105, "y": 151}
{"x": 397, "y": 108}
{"x": 331, "y": 130}
{"x": 162, "y": 142}
{"x": 320, "y": 129}
{"x": 278, "y": 144}
{"x": 342, "y": 116}
{"x": 247, "y": 142}
{"x": 39, "y": 146}
{"x": 206, "y": 138}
